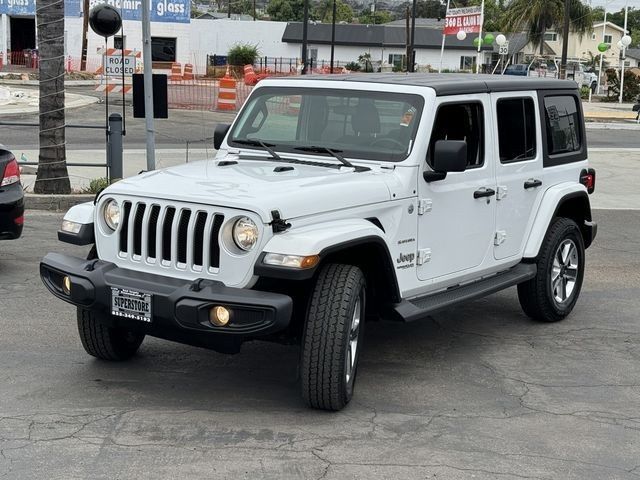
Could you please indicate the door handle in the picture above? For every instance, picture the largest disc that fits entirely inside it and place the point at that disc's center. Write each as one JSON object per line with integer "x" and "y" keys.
{"x": 532, "y": 183}
{"x": 484, "y": 192}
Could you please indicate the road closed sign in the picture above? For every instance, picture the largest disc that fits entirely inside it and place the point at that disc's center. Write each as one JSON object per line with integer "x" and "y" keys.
{"x": 115, "y": 65}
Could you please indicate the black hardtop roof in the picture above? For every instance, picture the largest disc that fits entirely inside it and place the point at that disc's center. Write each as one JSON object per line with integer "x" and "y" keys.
{"x": 449, "y": 83}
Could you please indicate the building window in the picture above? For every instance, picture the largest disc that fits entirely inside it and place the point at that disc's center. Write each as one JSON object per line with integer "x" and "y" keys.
{"x": 516, "y": 129}
{"x": 608, "y": 39}
{"x": 551, "y": 37}
{"x": 467, "y": 63}
{"x": 563, "y": 124}
{"x": 119, "y": 42}
{"x": 163, "y": 49}
{"x": 397, "y": 60}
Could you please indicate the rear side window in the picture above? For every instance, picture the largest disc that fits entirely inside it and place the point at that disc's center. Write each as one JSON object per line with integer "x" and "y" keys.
{"x": 562, "y": 124}
{"x": 460, "y": 121}
{"x": 516, "y": 129}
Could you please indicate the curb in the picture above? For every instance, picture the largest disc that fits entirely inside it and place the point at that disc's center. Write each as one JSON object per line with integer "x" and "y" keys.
{"x": 612, "y": 126}
{"x": 54, "y": 203}
{"x": 36, "y": 83}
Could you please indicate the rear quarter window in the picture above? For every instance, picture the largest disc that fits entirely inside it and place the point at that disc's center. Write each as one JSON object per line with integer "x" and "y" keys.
{"x": 562, "y": 127}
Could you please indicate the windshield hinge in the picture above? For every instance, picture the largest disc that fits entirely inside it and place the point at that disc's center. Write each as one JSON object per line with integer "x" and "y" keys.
{"x": 278, "y": 224}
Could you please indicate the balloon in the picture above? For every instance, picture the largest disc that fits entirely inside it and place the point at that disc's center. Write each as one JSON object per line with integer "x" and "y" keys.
{"x": 477, "y": 41}
{"x": 603, "y": 47}
{"x": 626, "y": 40}
{"x": 488, "y": 39}
{"x": 461, "y": 35}
{"x": 501, "y": 39}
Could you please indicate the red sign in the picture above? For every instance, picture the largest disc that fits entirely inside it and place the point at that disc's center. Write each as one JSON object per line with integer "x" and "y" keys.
{"x": 467, "y": 19}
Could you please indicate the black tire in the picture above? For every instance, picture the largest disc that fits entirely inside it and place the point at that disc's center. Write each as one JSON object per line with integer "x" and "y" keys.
{"x": 104, "y": 342}
{"x": 538, "y": 296}
{"x": 325, "y": 362}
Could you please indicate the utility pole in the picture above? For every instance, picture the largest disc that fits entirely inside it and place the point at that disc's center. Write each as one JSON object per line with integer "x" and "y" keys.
{"x": 565, "y": 40}
{"x": 407, "y": 40}
{"x": 305, "y": 24}
{"x": 229, "y": 9}
{"x": 254, "y": 10}
{"x": 333, "y": 34}
{"x": 604, "y": 28}
{"x": 148, "y": 85}
{"x": 410, "y": 63}
{"x": 624, "y": 52}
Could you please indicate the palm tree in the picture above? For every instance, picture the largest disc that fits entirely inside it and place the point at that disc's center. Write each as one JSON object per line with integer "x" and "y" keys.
{"x": 537, "y": 16}
{"x": 52, "y": 166}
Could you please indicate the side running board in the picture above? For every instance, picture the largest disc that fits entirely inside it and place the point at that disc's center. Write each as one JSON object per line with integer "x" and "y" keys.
{"x": 416, "y": 308}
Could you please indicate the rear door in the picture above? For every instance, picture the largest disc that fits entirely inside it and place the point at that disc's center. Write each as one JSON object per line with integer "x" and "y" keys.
{"x": 519, "y": 171}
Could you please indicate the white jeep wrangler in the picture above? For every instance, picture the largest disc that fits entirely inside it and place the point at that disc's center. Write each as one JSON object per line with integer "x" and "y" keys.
{"x": 335, "y": 199}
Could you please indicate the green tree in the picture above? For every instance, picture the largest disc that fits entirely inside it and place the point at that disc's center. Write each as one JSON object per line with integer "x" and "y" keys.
{"x": 286, "y": 10}
{"x": 365, "y": 59}
{"x": 52, "y": 176}
{"x": 323, "y": 11}
{"x": 380, "y": 16}
{"x": 537, "y": 16}
{"x": 430, "y": 9}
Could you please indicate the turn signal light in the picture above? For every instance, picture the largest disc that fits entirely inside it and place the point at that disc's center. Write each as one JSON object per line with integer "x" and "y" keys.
{"x": 219, "y": 316}
{"x": 588, "y": 179}
{"x": 66, "y": 285}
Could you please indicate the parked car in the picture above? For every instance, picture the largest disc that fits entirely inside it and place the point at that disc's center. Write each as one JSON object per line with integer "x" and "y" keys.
{"x": 517, "y": 69}
{"x": 11, "y": 196}
{"x": 335, "y": 200}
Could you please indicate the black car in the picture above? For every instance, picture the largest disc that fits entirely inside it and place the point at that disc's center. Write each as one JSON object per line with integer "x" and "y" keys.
{"x": 11, "y": 196}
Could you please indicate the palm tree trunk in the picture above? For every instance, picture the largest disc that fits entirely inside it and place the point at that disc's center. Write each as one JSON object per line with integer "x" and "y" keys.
{"x": 543, "y": 30}
{"x": 52, "y": 167}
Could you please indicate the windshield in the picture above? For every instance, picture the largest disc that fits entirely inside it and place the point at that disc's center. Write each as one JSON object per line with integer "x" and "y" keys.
{"x": 356, "y": 124}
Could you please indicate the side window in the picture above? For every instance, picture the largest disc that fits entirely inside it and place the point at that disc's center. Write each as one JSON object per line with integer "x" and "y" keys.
{"x": 460, "y": 121}
{"x": 563, "y": 124}
{"x": 516, "y": 129}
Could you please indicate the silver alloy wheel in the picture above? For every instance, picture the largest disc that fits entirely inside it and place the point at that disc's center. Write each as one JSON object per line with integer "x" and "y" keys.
{"x": 564, "y": 272}
{"x": 352, "y": 342}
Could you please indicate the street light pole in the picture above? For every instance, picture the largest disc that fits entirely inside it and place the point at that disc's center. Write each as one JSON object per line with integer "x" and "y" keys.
{"x": 333, "y": 34}
{"x": 148, "y": 85}
{"x": 410, "y": 63}
{"x": 565, "y": 40}
{"x": 604, "y": 27}
{"x": 624, "y": 51}
{"x": 305, "y": 23}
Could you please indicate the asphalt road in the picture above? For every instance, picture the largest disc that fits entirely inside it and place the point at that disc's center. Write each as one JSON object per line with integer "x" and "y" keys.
{"x": 476, "y": 392}
{"x": 196, "y": 127}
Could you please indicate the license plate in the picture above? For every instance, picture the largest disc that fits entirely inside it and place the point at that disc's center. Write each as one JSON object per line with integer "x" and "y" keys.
{"x": 131, "y": 304}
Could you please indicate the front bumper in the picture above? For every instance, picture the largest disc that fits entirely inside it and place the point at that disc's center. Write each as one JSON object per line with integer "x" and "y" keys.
{"x": 180, "y": 308}
{"x": 11, "y": 211}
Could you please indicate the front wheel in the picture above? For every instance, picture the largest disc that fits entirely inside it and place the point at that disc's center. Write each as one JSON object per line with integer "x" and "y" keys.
{"x": 333, "y": 336}
{"x": 551, "y": 295}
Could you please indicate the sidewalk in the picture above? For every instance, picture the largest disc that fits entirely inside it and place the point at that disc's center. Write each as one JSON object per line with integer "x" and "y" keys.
{"x": 19, "y": 100}
{"x": 606, "y": 112}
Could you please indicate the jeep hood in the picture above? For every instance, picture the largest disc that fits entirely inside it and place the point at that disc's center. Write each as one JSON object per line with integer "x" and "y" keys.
{"x": 261, "y": 186}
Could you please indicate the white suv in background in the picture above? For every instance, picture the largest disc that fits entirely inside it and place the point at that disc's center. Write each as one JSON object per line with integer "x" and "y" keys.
{"x": 333, "y": 201}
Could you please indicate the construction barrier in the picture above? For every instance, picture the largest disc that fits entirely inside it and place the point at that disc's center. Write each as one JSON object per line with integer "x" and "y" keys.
{"x": 114, "y": 88}
{"x": 250, "y": 76}
{"x": 227, "y": 92}
{"x": 188, "y": 72}
{"x": 176, "y": 72}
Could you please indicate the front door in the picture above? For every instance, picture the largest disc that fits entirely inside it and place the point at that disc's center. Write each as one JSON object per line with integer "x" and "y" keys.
{"x": 456, "y": 218}
{"x": 519, "y": 170}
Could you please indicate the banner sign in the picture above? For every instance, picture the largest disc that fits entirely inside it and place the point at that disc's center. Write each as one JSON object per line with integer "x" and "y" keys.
{"x": 467, "y": 19}
{"x": 167, "y": 11}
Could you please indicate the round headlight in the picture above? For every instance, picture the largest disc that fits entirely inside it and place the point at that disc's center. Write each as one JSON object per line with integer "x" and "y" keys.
{"x": 111, "y": 214}
{"x": 245, "y": 233}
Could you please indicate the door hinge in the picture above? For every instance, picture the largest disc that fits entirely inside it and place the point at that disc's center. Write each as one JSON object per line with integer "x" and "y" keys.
{"x": 424, "y": 205}
{"x": 501, "y": 236}
{"x": 424, "y": 255}
{"x": 502, "y": 192}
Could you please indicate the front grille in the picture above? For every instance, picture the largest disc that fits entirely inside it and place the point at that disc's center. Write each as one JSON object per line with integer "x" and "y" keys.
{"x": 170, "y": 236}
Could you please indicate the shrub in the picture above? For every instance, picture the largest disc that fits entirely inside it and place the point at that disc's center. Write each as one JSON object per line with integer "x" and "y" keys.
{"x": 96, "y": 185}
{"x": 353, "y": 66}
{"x": 631, "y": 86}
{"x": 242, "y": 54}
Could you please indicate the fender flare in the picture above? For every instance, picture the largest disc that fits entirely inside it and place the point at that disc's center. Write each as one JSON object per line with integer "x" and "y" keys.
{"x": 551, "y": 203}
{"x": 323, "y": 239}
{"x": 83, "y": 214}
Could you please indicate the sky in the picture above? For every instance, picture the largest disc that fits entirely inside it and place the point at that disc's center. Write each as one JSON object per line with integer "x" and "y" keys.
{"x": 613, "y": 5}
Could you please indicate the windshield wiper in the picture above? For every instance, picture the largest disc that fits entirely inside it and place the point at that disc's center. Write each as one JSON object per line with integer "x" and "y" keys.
{"x": 259, "y": 143}
{"x": 330, "y": 151}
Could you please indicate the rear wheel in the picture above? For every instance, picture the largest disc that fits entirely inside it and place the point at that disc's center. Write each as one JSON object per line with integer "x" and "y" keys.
{"x": 551, "y": 295}
{"x": 333, "y": 336}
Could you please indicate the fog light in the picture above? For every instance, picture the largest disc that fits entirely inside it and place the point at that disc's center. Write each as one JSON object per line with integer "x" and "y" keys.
{"x": 219, "y": 316}
{"x": 66, "y": 285}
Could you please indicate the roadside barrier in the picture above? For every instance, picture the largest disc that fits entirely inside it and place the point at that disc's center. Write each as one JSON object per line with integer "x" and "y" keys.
{"x": 250, "y": 76}
{"x": 188, "y": 72}
{"x": 176, "y": 72}
{"x": 227, "y": 92}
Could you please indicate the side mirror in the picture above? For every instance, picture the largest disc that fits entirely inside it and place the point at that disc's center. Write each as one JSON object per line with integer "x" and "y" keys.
{"x": 219, "y": 133}
{"x": 448, "y": 156}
